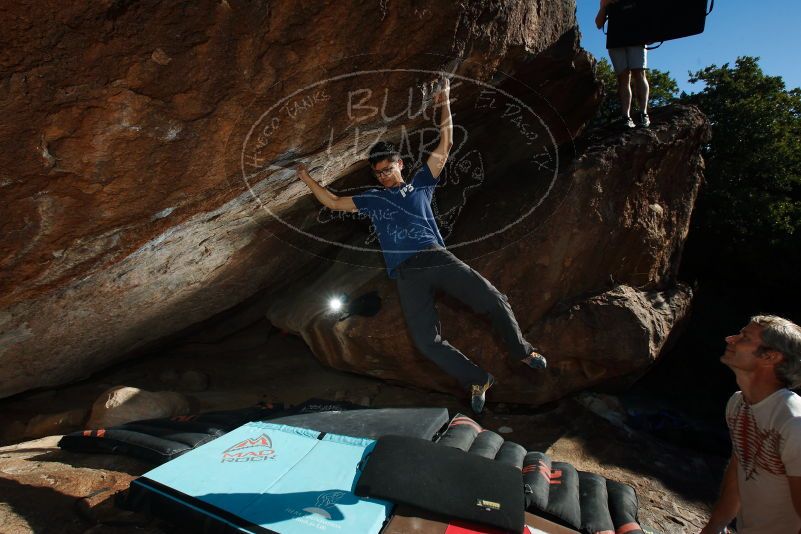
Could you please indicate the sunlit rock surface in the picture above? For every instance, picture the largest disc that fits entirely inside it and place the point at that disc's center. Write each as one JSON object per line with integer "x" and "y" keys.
{"x": 144, "y": 143}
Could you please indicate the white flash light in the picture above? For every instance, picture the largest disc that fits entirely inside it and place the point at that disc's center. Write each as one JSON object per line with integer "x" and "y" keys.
{"x": 335, "y": 304}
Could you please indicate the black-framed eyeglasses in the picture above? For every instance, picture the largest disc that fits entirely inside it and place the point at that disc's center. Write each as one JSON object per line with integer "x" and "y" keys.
{"x": 386, "y": 171}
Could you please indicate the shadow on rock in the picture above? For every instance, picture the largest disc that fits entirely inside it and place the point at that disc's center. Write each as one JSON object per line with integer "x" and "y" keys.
{"x": 112, "y": 462}
{"x": 39, "y": 509}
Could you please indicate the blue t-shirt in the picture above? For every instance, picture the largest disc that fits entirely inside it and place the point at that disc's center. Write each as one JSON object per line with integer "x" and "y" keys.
{"x": 402, "y": 217}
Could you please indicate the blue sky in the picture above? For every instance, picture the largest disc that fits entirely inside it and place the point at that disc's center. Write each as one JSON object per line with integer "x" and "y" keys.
{"x": 765, "y": 28}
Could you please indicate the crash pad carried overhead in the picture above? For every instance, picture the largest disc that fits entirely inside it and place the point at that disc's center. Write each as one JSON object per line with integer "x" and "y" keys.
{"x": 640, "y": 22}
{"x": 263, "y": 478}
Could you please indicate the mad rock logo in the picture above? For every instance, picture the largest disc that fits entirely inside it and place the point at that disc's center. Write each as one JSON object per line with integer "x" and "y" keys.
{"x": 250, "y": 450}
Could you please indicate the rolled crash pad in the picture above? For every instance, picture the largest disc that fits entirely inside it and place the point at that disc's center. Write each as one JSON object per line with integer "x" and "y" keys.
{"x": 536, "y": 480}
{"x": 444, "y": 480}
{"x": 161, "y": 440}
{"x": 594, "y": 500}
{"x": 263, "y": 478}
{"x": 487, "y": 444}
{"x": 372, "y": 422}
{"x": 563, "y": 496}
{"x": 511, "y": 454}
{"x": 461, "y": 433}
{"x": 623, "y": 507}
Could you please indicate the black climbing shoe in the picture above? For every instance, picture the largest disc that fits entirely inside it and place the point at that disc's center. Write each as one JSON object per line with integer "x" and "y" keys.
{"x": 535, "y": 360}
{"x": 478, "y": 395}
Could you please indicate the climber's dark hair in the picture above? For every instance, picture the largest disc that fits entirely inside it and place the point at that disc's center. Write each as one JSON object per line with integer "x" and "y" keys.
{"x": 381, "y": 151}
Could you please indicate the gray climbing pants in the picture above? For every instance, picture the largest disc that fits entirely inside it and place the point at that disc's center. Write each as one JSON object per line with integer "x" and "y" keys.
{"x": 433, "y": 269}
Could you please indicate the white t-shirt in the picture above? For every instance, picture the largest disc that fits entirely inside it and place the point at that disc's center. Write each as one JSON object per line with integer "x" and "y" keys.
{"x": 766, "y": 437}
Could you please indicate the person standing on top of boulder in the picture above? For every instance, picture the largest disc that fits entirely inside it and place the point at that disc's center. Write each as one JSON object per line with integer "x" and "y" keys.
{"x": 762, "y": 483}
{"x": 629, "y": 63}
{"x": 417, "y": 259}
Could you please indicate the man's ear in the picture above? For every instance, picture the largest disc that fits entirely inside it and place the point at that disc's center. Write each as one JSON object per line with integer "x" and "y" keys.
{"x": 400, "y": 164}
{"x": 773, "y": 357}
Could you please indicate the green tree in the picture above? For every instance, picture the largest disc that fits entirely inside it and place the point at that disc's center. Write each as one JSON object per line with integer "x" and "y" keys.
{"x": 663, "y": 90}
{"x": 748, "y": 219}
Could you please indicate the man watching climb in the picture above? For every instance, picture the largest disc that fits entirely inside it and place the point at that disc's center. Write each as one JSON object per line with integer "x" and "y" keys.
{"x": 629, "y": 63}
{"x": 762, "y": 483}
{"x": 416, "y": 257}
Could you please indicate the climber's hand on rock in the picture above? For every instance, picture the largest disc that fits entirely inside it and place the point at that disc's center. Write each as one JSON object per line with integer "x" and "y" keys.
{"x": 443, "y": 94}
{"x": 302, "y": 172}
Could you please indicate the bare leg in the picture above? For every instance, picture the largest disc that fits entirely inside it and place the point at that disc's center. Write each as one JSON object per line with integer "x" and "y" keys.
{"x": 641, "y": 89}
{"x": 624, "y": 92}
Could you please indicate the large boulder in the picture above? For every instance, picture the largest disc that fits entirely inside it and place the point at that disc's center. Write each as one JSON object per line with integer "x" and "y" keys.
{"x": 143, "y": 170}
{"x": 124, "y": 404}
{"x": 592, "y": 281}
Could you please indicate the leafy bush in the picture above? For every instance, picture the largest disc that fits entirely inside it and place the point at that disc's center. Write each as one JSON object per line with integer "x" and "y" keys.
{"x": 748, "y": 219}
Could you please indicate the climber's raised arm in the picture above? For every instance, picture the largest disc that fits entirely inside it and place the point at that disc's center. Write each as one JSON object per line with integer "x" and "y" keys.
{"x": 600, "y": 18}
{"x": 326, "y": 197}
{"x": 442, "y": 100}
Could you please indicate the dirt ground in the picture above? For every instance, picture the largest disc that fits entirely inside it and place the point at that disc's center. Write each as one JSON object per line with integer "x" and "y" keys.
{"x": 44, "y": 489}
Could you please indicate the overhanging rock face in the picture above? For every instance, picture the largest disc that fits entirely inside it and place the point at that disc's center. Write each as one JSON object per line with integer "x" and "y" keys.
{"x": 592, "y": 282}
{"x": 142, "y": 175}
